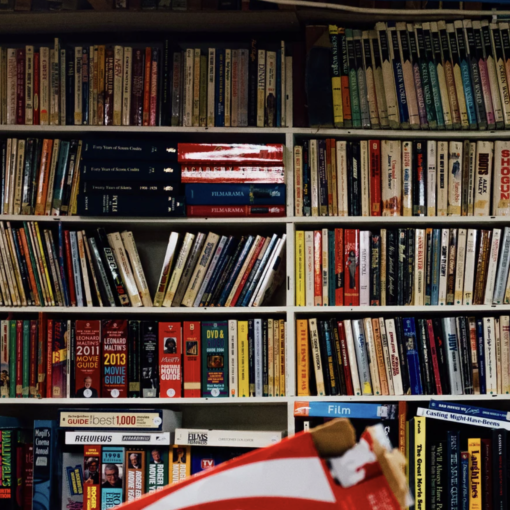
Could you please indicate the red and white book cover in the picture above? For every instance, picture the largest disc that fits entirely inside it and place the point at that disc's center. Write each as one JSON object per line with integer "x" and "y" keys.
{"x": 191, "y": 352}
{"x": 233, "y": 174}
{"x": 270, "y": 154}
{"x": 87, "y": 364}
{"x": 170, "y": 360}
{"x": 375, "y": 177}
{"x": 339, "y": 267}
{"x": 115, "y": 358}
{"x": 317, "y": 268}
{"x": 351, "y": 268}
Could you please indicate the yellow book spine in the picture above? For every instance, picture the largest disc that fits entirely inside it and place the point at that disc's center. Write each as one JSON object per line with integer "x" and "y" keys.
{"x": 180, "y": 463}
{"x": 270, "y": 358}
{"x": 407, "y": 454}
{"x": 420, "y": 464}
{"x": 303, "y": 359}
{"x": 300, "y": 268}
{"x": 475, "y": 464}
{"x": 242, "y": 353}
{"x": 282, "y": 334}
{"x": 276, "y": 359}
{"x": 336, "y": 80}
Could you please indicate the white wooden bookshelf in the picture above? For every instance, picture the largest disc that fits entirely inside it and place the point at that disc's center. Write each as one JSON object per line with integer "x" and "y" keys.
{"x": 151, "y": 234}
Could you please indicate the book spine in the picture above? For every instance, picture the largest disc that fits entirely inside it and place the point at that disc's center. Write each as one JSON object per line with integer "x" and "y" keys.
{"x": 483, "y": 172}
{"x": 407, "y": 168}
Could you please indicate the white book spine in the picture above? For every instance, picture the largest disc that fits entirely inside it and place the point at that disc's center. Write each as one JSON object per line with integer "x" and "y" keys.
{"x": 407, "y": 170}
{"x": 502, "y": 77}
{"x": 365, "y": 179}
{"x": 289, "y": 103}
{"x": 419, "y": 267}
{"x": 431, "y": 177}
{"x": 29, "y": 85}
{"x": 11, "y": 85}
{"x": 325, "y": 267}
{"x": 391, "y": 176}
{"x": 258, "y": 357}
{"x": 309, "y": 273}
{"x": 364, "y": 269}
{"x": 372, "y": 357}
{"x": 469, "y": 268}
{"x": 503, "y": 266}
{"x": 341, "y": 169}
{"x": 483, "y": 178}
{"x": 360, "y": 345}
{"x": 314, "y": 176}
{"x": 489, "y": 335}
{"x": 316, "y": 354}
{"x": 387, "y": 355}
{"x": 126, "y": 86}
{"x": 396, "y": 373}
{"x": 455, "y": 178}
{"x": 443, "y": 267}
{"x": 452, "y": 355}
{"x": 232, "y": 350}
{"x": 442, "y": 178}
{"x": 298, "y": 180}
{"x": 261, "y": 87}
{"x": 504, "y": 325}
{"x": 501, "y": 188}
{"x": 460, "y": 266}
{"x": 493, "y": 266}
{"x": 351, "y": 353}
{"x": 78, "y": 61}
{"x": 211, "y": 82}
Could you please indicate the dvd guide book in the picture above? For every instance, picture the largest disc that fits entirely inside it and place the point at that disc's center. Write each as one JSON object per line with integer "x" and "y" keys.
{"x": 324, "y": 469}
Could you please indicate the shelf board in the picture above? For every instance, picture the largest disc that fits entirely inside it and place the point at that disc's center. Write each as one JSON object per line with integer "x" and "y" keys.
{"x": 405, "y": 398}
{"x": 127, "y": 310}
{"x": 71, "y": 22}
{"x": 417, "y": 221}
{"x": 400, "y": 310}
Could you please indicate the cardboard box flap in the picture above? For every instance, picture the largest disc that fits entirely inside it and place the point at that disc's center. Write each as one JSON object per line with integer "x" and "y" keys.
{"x": 334, "y": 438}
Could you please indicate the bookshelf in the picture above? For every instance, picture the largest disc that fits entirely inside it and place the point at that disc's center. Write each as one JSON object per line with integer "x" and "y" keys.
{"x": 269, "y": 413}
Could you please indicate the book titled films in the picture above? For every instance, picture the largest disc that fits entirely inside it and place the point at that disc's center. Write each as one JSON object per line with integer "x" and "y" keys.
{"x": 236, "y": 438}
{"x": 115, "y": 362}
{"x": 170, "y": 356}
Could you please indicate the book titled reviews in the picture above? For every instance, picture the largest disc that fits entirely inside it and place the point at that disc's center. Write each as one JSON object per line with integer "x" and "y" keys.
{"x": 438, "y": 75}
{"x": 404, "y": 356}
{"x": 403, "y": 267}
{"x": 402, "y": 178}
{"x": 119, "y": 358}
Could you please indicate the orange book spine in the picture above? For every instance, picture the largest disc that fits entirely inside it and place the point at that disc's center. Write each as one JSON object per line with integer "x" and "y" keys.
{"x": 317, "y": 268}
{"x": 135, "y": 479}
{"x": 339, "y": 266}
{"x": 92, "y": 477}
{"x": 402, "y": 419}
{"x": 44, "y": 175}
{"x": 303, "y": 359}
{"x": 191, "y": 351}
{"x": 147, "y": 87}
{"x": 385, "y": 390}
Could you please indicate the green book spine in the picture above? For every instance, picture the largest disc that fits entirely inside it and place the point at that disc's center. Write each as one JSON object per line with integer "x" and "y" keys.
{"x": 26, "y": 359}
{"x": 157, "y": 473}
{"x": 215, "y": 359}
{"x": 353, "y": 80}
{"x": 12, "y": 358}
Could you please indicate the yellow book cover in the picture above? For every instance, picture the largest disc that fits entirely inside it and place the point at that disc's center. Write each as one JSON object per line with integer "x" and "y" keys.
{"x": 300, "y": 268}
{"x": 420, "y": 464}
{"x": 282, "y": 334}
{"x": 276, "y": 357}
{"x": 270, "y": 358}
{"x": 243, "y": 380}
{"x": 303, "y": 359}
{"x": 475, "y": 471}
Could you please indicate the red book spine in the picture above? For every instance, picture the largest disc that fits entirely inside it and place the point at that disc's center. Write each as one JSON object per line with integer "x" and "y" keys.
{"x": 345, "y": 359}
{"x": 147, "y": 86}
{"x": 339, "y": 267}
{"x": 487, "y": 474}
{"x": 42, "y": 362}
{"x": 19, "y": 359}
{"x": 154, "y": 88}
{"x": 170, "y": 360}
{"x": 20, "y": 87}
{"x": 229, "y": 154}
{"x": 137, "y": 88}
{"x": 87, "y": 364}
{"x": 233, "y": 174}
{"x": 49, "y": 359}
{"x": 351, "y": 259}
{"x": 235, "y": 211}
{"x": 115, "y": 362}
{"x": 28, "y": 470}
{"x": 402, "y": 419}
{"x": 248, "y": 271}
{"x": 91, "y": 477}
{"x": 37, "y": 87}
{"x": 108, "y": 92}
{"x": 433, "y": 354}
{"x": 375, "y": 177}
{"x": 70, "y": 275}
{"x": 317, "y": 268}
{"x": 192, "y": 356}
{"x": 34, "y": 335}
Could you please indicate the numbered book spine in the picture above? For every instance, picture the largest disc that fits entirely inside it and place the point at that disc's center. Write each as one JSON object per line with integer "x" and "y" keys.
{"x": 501, "y": 187}
{"x": 483, "y": 172}
{"x": 115, "y": 358}
{"x": 112, "y": 460}
{"x": 170, "y": 356}
{"x": 87, "y": 364}
{"x": 215, "y": 372}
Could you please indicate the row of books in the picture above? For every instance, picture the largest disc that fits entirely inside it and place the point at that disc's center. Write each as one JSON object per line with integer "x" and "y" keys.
{"x": 401, "y": 178}
{"x": 402, "y": 356}
{"x": 435, "y": 75}
{"x": 402, "y": 267}
{"x": 117, "y": 85}
{"x": 54, "y": 358}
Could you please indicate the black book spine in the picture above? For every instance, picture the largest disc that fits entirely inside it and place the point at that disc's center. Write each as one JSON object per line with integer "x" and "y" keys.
{"x": 402, "y": 351}
{"x": 324, "y": 358}
{"x": 251, "y": 356}
{"x": 441, "y": 355}
{"x": 409, "y": 284}
{"x": 129, "y": 171}
{"x": 323, "y": 182}
{"x": 23, "y": 267}
{"x": 68, "y": 182}
{"x": 465, "y": 354}
{"x": 252, "y": 84}
{"x": 333, "y": 328}
{"x": 149, "y": 359}
{"x": 122, "y": 149}
{"x": 35, "y": 172}
{"x": 3, "y": 181}
{"x": 441, "y": 488}
{"x": 499, "y": 469}
{"x": 375, "y": 271}
{"x": 431, "y": 478}
{"x": 70, "y": 87}
{"x": 356, "y": 179}
{"x": 72, "y": 354}
{"x": 134, "y": 359}
{"x": 27, "y": 177}
{"x": 350, "y": 179}
{"x": 429, "y": 385}
{"x": 402, "y": 266}
{"x": 265, "y": 373}
{"x": 330, "y": 351}
{"x": 391, "y": 268}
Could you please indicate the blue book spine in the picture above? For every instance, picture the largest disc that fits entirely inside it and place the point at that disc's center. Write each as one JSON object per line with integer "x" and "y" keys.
{"x": 112, "y": 490}
{"x": 481, "y": 356}
{"x": 45, "y": 492}
{"x": 279, "y": 88}
{"x": 61, "y": 264}
{"x": 453, "y": 469}
{"x": 468, "y": 91}
{"x": 332, "y": 266}
{"x": 60, "y": 175}
{"x": 343, "y": 410}
{"x": 85, "y": 85}
{"x": 235, "y": 194}
{"x": 220, "y": 88}
{"x": 307, "y": 200}
{"x": 436, "y": 266}
{"x": 464, "y": 481}
{"x": 436, "y": 94}
{"x": 413, "y": 358}
{"x": 70, "y": 87}
{"x": 482, "y": 412}
{"x": 235, "y": 272}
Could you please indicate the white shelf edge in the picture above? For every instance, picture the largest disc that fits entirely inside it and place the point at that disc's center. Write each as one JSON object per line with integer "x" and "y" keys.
{"x": 400, "y": 220}
{"x": 147, "y": 311}
{"x": 400, "y": 310}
